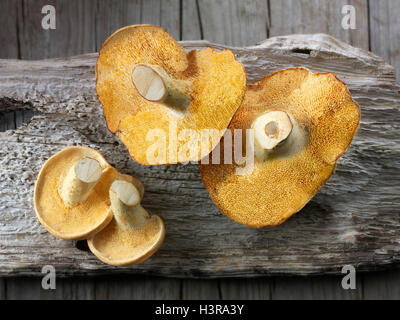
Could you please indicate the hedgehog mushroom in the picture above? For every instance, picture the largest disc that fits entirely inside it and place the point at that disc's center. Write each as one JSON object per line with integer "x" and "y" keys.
{"x": 133, "y": 235}
{"x": 69, "y": 196}
{"x": 300, "y": 124}
{"x": 161, "y": 101}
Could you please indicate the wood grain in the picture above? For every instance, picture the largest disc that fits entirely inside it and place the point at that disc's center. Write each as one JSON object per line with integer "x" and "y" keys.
{"x": 382, "y": 285}
{"x": 191, "y": 24}
{"x": 70, "y": 36}
{"x": 170, "y": 17}
{"x": 353, "y": 220}
{"x": 385, "y": 30}
{"x": 138, "y": 288}
{"x": 2, "y": 289}
{"x": 28, "y": 288}
{"x": 10, "y": 23}
{"x": 311, "y": 16}
{"x": 200, "y": 289}
{"x": 240, "y": 23}
{"x": 112, "y": 15}
{"x": 246, "y": 289}
{"x": 315, "y": 288}
{"x": 101, "y": 288}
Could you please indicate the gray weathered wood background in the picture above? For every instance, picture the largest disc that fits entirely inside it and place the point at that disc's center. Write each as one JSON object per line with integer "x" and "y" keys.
{"x": 83, "y": 25}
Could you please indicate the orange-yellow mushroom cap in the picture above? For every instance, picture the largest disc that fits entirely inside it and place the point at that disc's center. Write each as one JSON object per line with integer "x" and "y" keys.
{"x": 158, "y": 98}
{"x": 133, "y": 235}
{"x": 287, "y": 172}
{"x": 79, "y": 220}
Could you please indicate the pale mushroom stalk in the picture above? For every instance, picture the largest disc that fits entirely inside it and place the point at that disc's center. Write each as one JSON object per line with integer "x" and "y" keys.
{"x": 155, "y": 85}
{"x": 125, "y": 204}
{"x": 276, "y": 133}
{"x": 79, "y": 181}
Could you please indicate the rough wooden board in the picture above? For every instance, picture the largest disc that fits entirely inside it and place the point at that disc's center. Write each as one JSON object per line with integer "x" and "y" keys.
{"x": 114, "y": 14}
{"x": 9, "y": 22}
{"x": 89, "y": 288}
{"x": 385, "y": 30}
{"x": 170, "y": 17}
{"x": 191, "y": 24}
{"x": 382, "y": 285}
{"x": 70, "y": 36}
{"x": 246, "y": 289}
{"x": 139, "y": 288}
{"x": 200, "y": 289}
{"x": 239, "y": 23}
{"x": 311, "y": 16}
{"x": 28, "y": 288}
{"x": 315, "y": 288}
{"x": 2, "y": 289}
{"x": 354, "y": 219}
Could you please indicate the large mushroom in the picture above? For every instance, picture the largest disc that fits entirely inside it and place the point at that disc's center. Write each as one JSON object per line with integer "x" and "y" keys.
{"x": 165, "y": 105}
{"x": 133, "y": 235}
{"x": 300, "y": 124}
{"x": 69, "y": 198}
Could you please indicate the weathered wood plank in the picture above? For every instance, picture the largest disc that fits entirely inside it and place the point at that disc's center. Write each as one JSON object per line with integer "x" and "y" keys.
{"x": 133, "y": 287}
{"x": 83, "y": 288}
{"x": 9, "y": 22}
{"x": 74, "y": 33}
{"x": 191, "y": 24}
{"x": 239, "y": 23}
{"x": 170, "y": 18}
{"x": 200, "y": 290}
{"x": 114, "y": 14}
{"x": 314, "y": 288}
{"x": 385, "y": 30}
{"x": 382, "y": 285}
{"x": 353, "y": 220}
{"x": 23, "y": 288}
{"x": 2, "y": 289}
{"x": 151, "y": 12}
{"x": 246, "y": 289}
{"x": 312, "y": 16}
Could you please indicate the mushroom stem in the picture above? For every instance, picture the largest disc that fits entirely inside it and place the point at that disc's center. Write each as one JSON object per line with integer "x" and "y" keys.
{"x": 155, "y": 85}
{"x": 79, "y": 181}
{"x": 276, "y": 132}
{"x": 125, "y": 204}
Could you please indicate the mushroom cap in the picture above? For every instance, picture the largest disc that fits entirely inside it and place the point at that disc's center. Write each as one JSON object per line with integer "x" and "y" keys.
{"x": 218, "y": 80}
{"x": 78, "y": 222}
{"x": 119, "y": 247}
{"x": 125, "y": 247}
{"x": 282, "y": 185}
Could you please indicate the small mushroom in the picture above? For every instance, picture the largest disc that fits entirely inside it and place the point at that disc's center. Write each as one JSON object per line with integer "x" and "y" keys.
{"x": 69, "y": 195}
{"x": 133, "y": 235}
{"x": 160, "y": 100}
{"x": 300, "y": 124}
